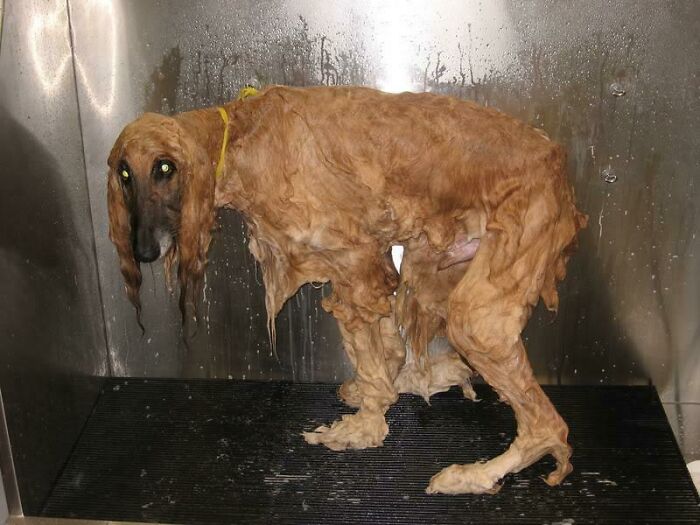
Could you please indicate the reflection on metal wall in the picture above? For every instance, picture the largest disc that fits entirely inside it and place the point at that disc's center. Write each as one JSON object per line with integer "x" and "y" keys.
{"x": 613, "y": 82}
{"x": 51, "y": 324}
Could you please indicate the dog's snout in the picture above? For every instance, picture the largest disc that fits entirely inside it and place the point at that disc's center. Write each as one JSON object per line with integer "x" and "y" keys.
{"x": 147, "y": 253}
{"x": 146, "y": 248}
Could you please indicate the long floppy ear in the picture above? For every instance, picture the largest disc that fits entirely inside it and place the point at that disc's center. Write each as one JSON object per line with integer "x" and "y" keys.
{"x": 197, "y": 182}
{"x": 120, "y": 234}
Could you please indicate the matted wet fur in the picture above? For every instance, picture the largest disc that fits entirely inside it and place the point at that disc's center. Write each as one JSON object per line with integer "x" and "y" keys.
{"x": 328, "y": 180}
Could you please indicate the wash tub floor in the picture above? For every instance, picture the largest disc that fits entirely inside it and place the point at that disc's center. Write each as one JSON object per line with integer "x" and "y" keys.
{"x": 216, "y": 451}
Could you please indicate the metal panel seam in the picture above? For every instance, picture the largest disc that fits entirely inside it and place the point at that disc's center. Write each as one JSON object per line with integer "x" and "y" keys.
{"x": 85, "y": 173}
{"x": 9, "y": 475}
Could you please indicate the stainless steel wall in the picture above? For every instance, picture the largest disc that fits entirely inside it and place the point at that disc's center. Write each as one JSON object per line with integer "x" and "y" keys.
{"x": 52, "y": 349}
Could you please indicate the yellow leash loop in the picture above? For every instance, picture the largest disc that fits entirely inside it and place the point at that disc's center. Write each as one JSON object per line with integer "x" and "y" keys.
{"x": 244, "y": 93}
{"x": 224, "y": 143}
{"x": 248, "y": 91}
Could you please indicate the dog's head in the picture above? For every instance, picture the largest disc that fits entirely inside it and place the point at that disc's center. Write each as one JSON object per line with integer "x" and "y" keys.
{"x": 161, "y": 203}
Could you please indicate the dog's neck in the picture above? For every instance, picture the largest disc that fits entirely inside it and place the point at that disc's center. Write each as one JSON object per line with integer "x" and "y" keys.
{"x": 206, "y": 128}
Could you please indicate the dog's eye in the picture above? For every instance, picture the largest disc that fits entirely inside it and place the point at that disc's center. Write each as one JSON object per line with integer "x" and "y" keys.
{"x": 164, "y": 169}
{"x": 124, "y": 173}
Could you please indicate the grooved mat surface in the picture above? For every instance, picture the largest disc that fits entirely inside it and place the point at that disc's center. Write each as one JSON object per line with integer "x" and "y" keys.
{"x": 211, "y": 451}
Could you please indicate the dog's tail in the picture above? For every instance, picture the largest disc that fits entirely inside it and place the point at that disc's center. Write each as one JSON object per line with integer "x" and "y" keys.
{"x": 570, "y": 222}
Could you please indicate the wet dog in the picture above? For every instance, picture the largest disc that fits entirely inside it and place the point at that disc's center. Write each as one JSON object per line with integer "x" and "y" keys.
{"x": 328, "y": 180}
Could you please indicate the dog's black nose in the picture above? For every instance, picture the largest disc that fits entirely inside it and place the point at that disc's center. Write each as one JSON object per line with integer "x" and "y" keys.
{"x": 146, "y": 253}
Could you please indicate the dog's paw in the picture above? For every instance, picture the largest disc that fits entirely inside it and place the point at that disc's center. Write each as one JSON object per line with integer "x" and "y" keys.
{"x": 362, "y": 430}
{"x": 564, "y": 467}
{"x": 476, "y": 478}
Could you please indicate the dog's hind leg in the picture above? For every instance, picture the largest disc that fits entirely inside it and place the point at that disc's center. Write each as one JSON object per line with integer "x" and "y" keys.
{"x": 486, "y": 314}
{"x": 541, "y": 430}
{"x": 431, "y": 365}
{"x": 375, "y": 391}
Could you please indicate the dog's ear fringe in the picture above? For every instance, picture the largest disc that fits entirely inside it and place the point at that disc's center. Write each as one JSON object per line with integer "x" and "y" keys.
{"x": 120, "y": 235}
{"x": 197, "y": 217}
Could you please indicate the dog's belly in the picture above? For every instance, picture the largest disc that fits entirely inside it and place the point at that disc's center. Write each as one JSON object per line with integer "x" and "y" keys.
{"x": 463, "y": 249}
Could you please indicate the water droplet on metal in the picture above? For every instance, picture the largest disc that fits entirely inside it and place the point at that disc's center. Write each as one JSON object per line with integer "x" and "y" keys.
{"x": 617, "y": 90}
{"x": 608, "y": 174}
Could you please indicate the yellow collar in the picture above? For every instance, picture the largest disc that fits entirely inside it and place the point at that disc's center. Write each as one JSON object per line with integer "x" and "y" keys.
{"x": 224, "y": 143}
{"x": 244, "y": 93}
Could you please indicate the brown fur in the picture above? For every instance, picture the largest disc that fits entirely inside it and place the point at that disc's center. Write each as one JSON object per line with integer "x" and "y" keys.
{"x": 328, "y": 179}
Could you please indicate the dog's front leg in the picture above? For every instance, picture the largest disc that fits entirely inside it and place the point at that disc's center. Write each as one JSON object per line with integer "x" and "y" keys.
{"x": 373, "y": 390}
{"x": 394, "y": 356}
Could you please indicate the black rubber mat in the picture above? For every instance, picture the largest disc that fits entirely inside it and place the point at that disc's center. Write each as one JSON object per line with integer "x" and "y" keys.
{"x": 201, "y": 452}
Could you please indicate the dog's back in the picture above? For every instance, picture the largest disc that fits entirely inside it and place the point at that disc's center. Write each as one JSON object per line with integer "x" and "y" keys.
{"x": 424, "y": 159}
